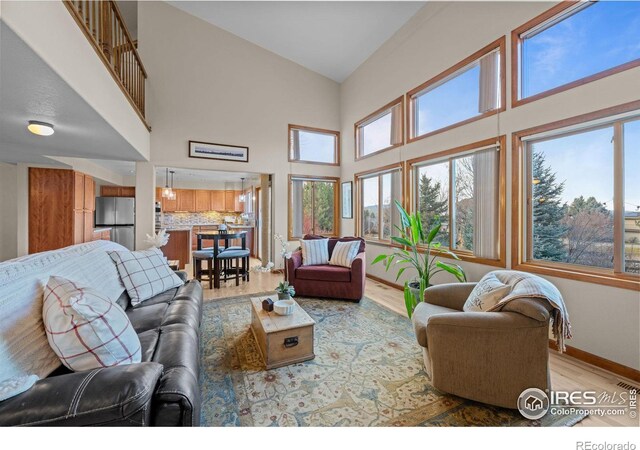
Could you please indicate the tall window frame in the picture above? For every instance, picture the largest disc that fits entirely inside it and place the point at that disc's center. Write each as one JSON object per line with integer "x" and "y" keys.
{"x": 412, "y": 167}
{"x": 522, "y": 226}
{"x": 292, "y": 150}
{"x": 336, "y": 204}
{"x": 359, "y": 179}
{"x": 545, "y": 20}
{"x": 377, "y": 114}
{"x": 498, "y": 45}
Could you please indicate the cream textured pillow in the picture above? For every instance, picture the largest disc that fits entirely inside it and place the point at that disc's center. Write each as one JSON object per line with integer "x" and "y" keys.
{"x": 315, "y": 252}
{"x": 86, "y": 330}
{"x": 344, "y": 253}
{"x": 145, "y": 273}
{"x": 14, "y": 386}
{"x": 487, "y": 293}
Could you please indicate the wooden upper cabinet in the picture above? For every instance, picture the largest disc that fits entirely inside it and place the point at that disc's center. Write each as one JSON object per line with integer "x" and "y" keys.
{"x": 118, "y": 191}
{"x": 89, "y": 193}
{"x": 238, "y": 205}
{"x": 127, "y": 191}
{"x": 217, "y": 200}
{"x": 229, "y": 200}
{"x": 169, "y": 205}
{"x": 109, "y": 191}
{"x": 186, "y": 200}
{"x": 202, "y": 200}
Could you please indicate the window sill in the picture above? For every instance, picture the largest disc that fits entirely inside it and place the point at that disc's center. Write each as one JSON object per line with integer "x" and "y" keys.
{"x": 468, "y": 257}
{"x": 377, "y": 152}
{"x": 603, "y": 277}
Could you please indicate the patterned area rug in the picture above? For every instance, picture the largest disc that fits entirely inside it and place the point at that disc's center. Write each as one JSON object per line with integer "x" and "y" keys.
{"x": 367, "y": 372}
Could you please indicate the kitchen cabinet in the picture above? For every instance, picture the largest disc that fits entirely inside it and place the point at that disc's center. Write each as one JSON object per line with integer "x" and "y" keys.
{"x": 61, "y": 208}
{"x": 117, "y": 191}
{"x": 186, "y": 200}
{"x": 217, "y": 200}
{"x": 229, "y": 200}
{"x": 202, "y": 200}
{"x": 169, "y": 205}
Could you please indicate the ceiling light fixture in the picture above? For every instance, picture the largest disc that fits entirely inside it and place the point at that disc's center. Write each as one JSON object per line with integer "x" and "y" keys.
{"x": 166, "y": 191}
{"x": 242, "y": 197}
{"x": 40, "y": 128}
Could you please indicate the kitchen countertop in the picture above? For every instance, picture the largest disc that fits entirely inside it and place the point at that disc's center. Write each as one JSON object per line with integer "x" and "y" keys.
{"x": 99, "y": 229}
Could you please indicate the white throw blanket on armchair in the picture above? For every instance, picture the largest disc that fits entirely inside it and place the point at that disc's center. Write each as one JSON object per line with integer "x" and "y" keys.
{"x": 526, "y": 285}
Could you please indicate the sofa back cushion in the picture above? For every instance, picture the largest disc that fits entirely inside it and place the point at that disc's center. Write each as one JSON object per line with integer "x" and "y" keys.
{"x": 85, "y": 329}
{"x": 334, "y": 240}
{"x": 144, "y": 273}
{"x": 25, "y": 349}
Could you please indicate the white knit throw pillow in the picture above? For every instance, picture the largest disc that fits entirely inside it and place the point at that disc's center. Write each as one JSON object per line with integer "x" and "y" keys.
{"x": 85, "y": 329}
{"x": 344, "y": 253}
{"x": 315, "y": 252}
{"x": 145, "y": 273}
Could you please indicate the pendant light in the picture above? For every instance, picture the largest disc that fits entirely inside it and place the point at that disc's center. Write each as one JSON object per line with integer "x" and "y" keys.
{"x": 172, "y": 194}
{"x": 242, "y": 196}
{"x": 166, "y": 191}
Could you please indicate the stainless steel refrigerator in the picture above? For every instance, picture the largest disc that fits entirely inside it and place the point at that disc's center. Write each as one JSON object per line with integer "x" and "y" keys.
{"x": 118, "y": 213}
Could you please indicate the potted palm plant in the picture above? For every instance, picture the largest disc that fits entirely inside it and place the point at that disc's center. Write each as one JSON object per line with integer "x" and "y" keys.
{"x": 417, "y": 253}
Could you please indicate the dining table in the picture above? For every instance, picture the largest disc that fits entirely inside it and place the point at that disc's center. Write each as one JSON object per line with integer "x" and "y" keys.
{"x": 216, "y": 237}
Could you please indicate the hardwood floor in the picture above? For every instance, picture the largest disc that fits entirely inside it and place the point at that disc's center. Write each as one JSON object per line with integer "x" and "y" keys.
{"x": 567, "y": 373}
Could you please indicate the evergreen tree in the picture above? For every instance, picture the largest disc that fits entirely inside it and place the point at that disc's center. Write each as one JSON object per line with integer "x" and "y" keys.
{"x": 433, "y": 205}
{"x": 548, "y": 212}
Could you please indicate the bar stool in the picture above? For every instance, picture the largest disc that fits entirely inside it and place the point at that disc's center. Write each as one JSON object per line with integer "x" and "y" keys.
{"x": 199, "y": 256}
{"x": 241, "y": 257}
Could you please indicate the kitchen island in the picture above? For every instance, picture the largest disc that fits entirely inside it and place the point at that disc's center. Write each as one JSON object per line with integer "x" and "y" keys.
{"x": 179, "y": 245}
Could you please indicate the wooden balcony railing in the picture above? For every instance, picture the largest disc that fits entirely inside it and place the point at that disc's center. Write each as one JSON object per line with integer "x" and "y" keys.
{"x": 105, "y": 28}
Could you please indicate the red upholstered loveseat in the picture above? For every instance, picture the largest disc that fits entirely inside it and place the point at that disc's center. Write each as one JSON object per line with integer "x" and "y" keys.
{"x": 325, "y": 280}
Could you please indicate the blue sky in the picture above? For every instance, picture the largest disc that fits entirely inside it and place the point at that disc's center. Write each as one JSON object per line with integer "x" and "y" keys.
{"x": 585, "y": 163}
{"x": 597, "y": 38}
{"x": 451, "y": 102}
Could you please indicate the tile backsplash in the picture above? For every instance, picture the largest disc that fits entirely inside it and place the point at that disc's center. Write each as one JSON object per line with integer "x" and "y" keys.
{"x": 202, "y": 218}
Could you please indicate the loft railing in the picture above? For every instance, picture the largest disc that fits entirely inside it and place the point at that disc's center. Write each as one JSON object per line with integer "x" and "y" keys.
{"x": 105, "y": 28}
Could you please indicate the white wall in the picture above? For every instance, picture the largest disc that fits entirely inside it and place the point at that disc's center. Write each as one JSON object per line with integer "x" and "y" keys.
{"x": 605, "y": 320}
{"x": 209, "y": 85}
{"x": 9, "y": 208}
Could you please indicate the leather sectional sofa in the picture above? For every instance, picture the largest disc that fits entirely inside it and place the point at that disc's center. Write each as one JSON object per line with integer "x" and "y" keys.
{"x": 162, "y": 390}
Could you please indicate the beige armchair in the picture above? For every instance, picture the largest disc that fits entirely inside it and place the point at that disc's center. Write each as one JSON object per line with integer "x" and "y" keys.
{"x": 489, "y": 357}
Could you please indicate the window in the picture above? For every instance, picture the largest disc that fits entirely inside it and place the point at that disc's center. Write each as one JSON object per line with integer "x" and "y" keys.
{"x": 470, "y": 90}
{"x": 314, "y": 145}
{"x": 581, "y": 197}
{"x": 381, "y": 130}
{"x": 461, "y": 190}
{"x": 378, "y": 214}
{"x": 574, "y": 42}
{"x": 312, "y": 206}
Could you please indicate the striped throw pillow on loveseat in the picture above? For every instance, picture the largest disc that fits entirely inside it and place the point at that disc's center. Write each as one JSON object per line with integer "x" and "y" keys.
{"x": 315, "y": 252}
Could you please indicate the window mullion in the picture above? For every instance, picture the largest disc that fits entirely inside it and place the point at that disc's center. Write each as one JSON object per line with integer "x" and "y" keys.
{"x": 452, "y": 227}
{"x": 618, "y": 198}
{"x": 380, "y": 211}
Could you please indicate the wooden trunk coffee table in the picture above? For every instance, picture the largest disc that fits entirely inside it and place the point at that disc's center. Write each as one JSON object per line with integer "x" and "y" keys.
{"x": 282, "y": 340}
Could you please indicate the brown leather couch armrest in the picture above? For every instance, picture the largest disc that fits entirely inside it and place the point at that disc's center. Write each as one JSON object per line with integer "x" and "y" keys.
{"x": 450, "y": 295}
{"x": 119, "y": 395}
